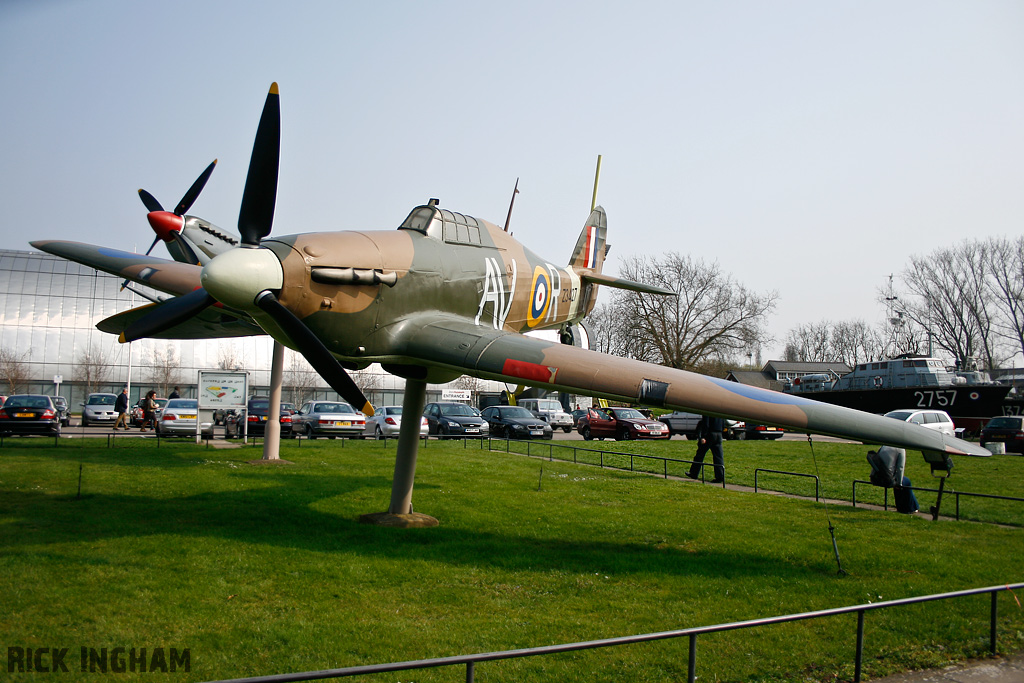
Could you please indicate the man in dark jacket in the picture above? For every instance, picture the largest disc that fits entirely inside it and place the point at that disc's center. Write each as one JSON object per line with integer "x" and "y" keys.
{"x": 121, "y": 406}
{"x": 709, "y": 437}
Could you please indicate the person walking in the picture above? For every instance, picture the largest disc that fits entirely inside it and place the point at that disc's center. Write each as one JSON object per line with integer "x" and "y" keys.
{"x": 149, "y": 410}
{"x": 174, "y": 394}
{"x": 709, "y": 438}
{"x": 121, "y": 406}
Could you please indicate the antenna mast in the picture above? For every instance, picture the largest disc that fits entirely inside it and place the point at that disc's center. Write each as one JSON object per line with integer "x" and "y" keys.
{"x": 512, "y": 203}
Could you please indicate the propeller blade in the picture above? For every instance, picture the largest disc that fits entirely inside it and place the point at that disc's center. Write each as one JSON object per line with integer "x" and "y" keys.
{"x": 150, "y": 201}
{"x": 314, "y": 351}
{"x": 167, "y": 314}
{"x": 187, "y": 252}
{"x": 256, "y": 216}
{"x": 193, "y": 192}
{"x": 155, "y": 240}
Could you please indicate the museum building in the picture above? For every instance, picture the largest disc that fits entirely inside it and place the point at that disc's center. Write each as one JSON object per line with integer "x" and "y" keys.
{"x": 49, "y": 308}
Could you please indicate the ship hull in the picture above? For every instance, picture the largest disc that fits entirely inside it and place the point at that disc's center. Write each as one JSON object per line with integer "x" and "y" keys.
{"x": 970, "y": 406}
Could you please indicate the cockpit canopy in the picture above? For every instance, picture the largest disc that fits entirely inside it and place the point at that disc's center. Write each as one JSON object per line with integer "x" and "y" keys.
{"x": 443, "y": 224}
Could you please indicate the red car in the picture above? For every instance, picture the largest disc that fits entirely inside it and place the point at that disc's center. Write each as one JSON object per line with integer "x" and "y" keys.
{"x": 620, "y": 424}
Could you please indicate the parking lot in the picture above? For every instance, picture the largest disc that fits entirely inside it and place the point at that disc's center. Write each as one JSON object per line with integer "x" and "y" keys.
{"x": 76, "y": 429}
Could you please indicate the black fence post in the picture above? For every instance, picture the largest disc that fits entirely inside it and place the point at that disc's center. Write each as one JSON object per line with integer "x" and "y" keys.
{"x": 992, "y": 624}
{"x": 691, "y": 666}
{"x": 860, "y": 646}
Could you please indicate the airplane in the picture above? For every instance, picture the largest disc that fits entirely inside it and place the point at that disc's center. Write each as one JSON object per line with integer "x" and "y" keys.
{"x": 444, "y": 295}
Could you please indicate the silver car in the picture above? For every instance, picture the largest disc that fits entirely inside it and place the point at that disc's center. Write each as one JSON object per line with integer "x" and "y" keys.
{"x": 387, "y": 420}
{"x": 178, "y": 418}
{"x": 98, "y": 408}
{"x": 328, "y": 418}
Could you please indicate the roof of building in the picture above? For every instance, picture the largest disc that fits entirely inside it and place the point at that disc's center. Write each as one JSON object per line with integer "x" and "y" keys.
{"x": 752, "y": 377}
{"x": 776, "y": 366}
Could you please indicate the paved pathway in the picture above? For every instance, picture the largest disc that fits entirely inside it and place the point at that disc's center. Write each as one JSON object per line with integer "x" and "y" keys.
{"x": 995, "y": 670}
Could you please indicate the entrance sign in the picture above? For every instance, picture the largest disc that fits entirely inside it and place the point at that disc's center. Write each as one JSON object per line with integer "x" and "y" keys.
{"x": 220, "y": 390}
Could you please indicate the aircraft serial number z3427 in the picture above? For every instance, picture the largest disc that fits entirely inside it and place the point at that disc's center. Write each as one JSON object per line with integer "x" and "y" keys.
{"x": 443, "y": 295}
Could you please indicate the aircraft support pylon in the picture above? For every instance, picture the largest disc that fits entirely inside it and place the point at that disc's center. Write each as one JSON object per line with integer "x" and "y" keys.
{"x": 400, "y": 512}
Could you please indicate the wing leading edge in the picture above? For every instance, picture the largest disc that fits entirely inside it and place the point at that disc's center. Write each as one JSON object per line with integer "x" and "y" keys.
{"x": 166, "y": 276}
{"x": 514, "y": 358}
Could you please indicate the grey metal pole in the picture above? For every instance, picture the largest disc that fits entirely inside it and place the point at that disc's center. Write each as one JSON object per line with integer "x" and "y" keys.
{"x": 408, "y": 444}
{"x": 272, "y": 428}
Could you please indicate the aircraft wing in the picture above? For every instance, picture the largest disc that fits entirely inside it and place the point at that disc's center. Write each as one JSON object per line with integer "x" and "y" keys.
{"x": 516, "y": 359}
{"x": 212, "y": 323}
{"x": 167, "y": 276}
{"x": 172, "y": 277}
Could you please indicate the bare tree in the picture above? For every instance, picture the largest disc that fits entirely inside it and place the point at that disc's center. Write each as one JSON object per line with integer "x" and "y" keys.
{"x": 1006, "y": 284}
{"x": 950, "y": 299}
{"x": 13, "y": 370}
{"x": 368, "y": 382}
{"x": 846, "y": 341}
{"x": 164, "y": 369}
{"x": 299, "y": 378}
{"x": 712, "y": 317}
{"x": 810, "y": 343}
{"x": 92, "y": 369}
{"x": 611, "y": 333}
{"x": 855, "y": 342}
{"x": 228, "y": 357}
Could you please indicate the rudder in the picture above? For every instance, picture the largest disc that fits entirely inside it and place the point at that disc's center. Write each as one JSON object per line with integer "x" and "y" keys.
{"x": 592, "y": 244}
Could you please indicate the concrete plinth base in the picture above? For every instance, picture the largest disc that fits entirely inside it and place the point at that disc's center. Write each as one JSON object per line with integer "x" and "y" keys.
{"x": 413, "y": 520}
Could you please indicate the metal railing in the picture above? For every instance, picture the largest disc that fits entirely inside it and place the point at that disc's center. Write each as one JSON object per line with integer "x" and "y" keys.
{"x": 817, "y": 482}
{"x": 470, "y": 661}
{"x": 947, "y": 492}
{"x": 633, "y": 457}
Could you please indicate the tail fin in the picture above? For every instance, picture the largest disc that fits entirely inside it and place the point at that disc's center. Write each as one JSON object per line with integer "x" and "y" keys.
{"x": 592, "y": 245}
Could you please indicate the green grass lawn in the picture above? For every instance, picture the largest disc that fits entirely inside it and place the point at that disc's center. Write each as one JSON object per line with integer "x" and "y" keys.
{"x": 266, "y": 569}
{"x": 838, "y": 465}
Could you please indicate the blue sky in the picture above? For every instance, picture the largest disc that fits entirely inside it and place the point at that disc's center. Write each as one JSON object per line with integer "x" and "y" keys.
{"x": 811, "y": 148}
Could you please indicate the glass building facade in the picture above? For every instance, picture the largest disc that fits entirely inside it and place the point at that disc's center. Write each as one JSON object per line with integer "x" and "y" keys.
{"x": 49, "y": 308}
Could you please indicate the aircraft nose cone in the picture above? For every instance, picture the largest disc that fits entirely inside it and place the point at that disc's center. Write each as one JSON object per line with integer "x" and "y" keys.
{"x": 164, "y": 223}
{"x": 236, "y": 277}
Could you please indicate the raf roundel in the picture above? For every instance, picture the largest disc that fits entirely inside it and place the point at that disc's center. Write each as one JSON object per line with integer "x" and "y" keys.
{"x": 540, "y": 297}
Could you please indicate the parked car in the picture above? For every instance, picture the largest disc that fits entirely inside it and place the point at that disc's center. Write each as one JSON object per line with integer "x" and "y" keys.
{"x": 685, "y": 424}
{"x": 29, "y": 414}
{"x": 254, "y": 421}
{"x": 61, "y": 404}
{"x": 387, "y": 420}
{"x": 178, "y": 418}
{"x": 938, "y": 420}
{"x": 454, "y": 419}
{"x": 752, "y": 431}
{"x": 550, "y": 410}
{"x": 576, "y": 415}
{"x": 135, "y": 413}
{"x": 1007, "y": 429}
{"x": 620, "y": 424}
{"x": 328, "y": 418}
{"x": 516, "y": 422}
{"x": 98, "y": 408}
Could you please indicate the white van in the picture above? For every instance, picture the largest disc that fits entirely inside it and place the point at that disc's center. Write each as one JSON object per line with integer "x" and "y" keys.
{"x": 549, "y": 410}
{"x": 939, "y": 420}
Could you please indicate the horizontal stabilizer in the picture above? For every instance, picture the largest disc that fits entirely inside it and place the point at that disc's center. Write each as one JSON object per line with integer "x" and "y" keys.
{"x": 619, "y": 283}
